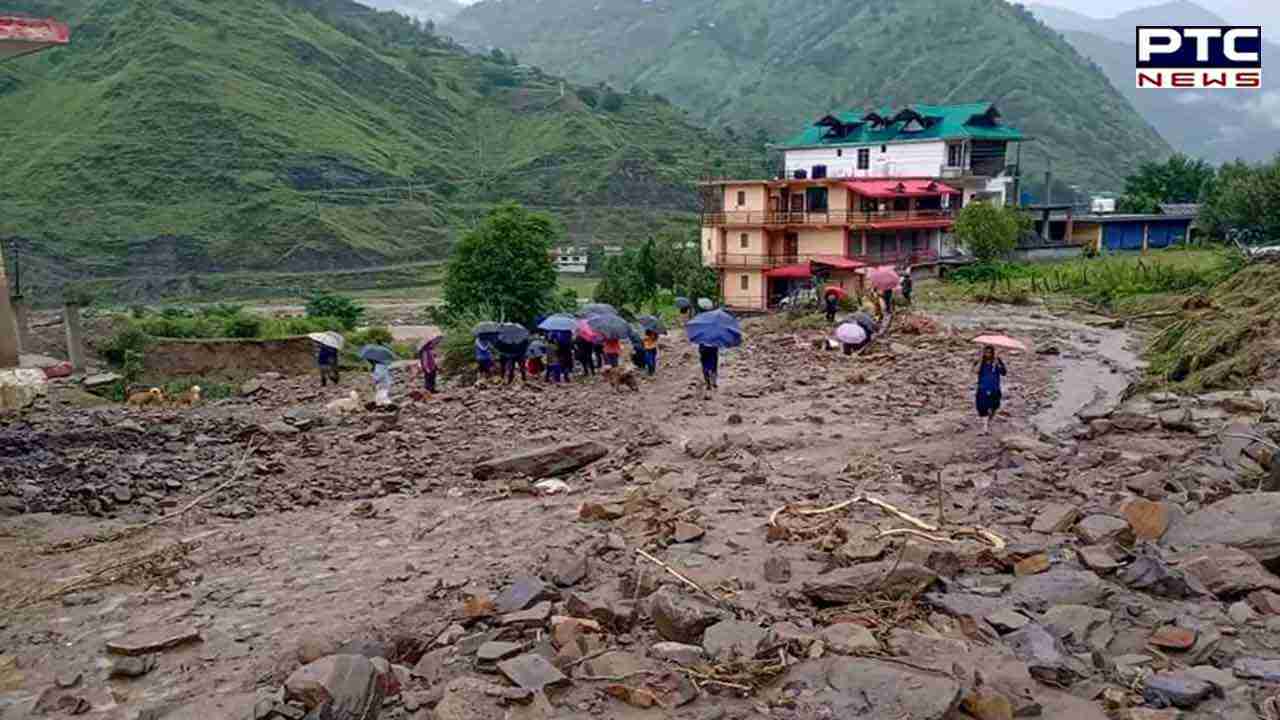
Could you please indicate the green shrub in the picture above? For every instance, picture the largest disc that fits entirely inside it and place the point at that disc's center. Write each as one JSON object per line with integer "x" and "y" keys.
{"x": 209, "y": 389}
{"x": 128, "y": 339}
{"x": 243, "y": 326}
{"x": 369, "y": 336}
{"x": 329, "y": 305}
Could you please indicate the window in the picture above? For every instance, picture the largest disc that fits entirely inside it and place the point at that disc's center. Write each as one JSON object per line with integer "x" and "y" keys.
{"x": 864, "y": 158}
{"x": 708, "y": 244}
{"x": 955, "y": 155}
{"x": 839, "y": 152}
{"x": 744, "y": 282}
{"x": 884, "y": 148}
{"x": 816, "y": 199}
{"x": 745, "y": 239}
{"x": 742, "y": 198}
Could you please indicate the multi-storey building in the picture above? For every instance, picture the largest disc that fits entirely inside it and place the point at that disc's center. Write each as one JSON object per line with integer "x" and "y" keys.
{"x": 858, "y": 191}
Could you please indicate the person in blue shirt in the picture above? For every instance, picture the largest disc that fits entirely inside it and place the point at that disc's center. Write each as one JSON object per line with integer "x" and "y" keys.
{"x": 327, "y": 361}
{"x": 990, "y": 370}
{"x": 484, "y": 358}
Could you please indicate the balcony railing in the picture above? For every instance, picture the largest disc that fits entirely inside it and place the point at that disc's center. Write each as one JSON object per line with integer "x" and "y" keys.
{"x": 747, "y": 261}
{"x": 840, "y": 218}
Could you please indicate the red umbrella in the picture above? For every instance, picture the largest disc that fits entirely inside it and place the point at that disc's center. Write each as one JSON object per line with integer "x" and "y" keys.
{"x": 839, "y": 292}
{"x": 884, "y": 279}
{"x": 1001, "y": 341}
{"x": 587, "y": 333}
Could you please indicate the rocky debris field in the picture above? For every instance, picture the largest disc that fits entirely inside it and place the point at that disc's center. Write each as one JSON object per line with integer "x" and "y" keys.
{"x": 826, "y": 537}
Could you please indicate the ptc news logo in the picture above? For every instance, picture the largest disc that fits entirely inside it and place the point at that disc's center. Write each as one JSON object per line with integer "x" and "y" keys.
{"x": 1199, "y": 57}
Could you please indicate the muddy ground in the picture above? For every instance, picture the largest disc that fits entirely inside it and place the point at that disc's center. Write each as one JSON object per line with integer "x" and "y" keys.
{"x": 1089, "y": 557}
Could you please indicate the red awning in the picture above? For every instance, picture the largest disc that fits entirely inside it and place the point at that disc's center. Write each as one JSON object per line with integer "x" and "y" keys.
{"x": 840, "y": 263}
{"x": 890, "y": 188}
{"x": 20, "y": 35}
{"x": 791, "y": 272}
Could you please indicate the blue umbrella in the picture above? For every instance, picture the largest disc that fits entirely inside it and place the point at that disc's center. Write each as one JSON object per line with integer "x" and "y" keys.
{"x": 558, "y": 323}
{"x": 596, "y": 309}
{"x": 512, "y": 334}
{"x": 716, "y": 328}
{"x": 682, "y": 303}
{"x": 486, "y": 328}
{"x": 652, "y": 323}
{"x": 379, "y": 354}
{"x": 537, "y": 348}
{"x": 610, "y": 326}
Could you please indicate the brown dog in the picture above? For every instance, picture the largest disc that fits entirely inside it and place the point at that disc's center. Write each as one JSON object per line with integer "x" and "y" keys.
{"x": 154, "y": 396}
{"x": 620, "y": 377}
{"x": 190, "y": 398}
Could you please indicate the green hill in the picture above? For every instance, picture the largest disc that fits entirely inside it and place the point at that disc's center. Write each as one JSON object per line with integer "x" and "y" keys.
{"x": 769, "y": 67}
{"x": 185, "y": 136}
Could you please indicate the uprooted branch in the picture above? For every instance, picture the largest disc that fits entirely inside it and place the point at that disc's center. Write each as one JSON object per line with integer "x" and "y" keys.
{"x": 922, "y": 529}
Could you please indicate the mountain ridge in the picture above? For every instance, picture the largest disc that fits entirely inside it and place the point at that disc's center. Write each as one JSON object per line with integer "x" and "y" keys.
{"x": 767, "y": 69}
{"x": 302, "y": 135}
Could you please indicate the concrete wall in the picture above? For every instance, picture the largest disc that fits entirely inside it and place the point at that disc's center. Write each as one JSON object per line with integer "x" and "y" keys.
{"x": 1047, "y": 253}
{"x": 753, "y": 198}
{"x": 229, "y": 358}
{"x": 822, "y": 242}
{"x": 909, "y": 159}
{"x": 735, "y": 296}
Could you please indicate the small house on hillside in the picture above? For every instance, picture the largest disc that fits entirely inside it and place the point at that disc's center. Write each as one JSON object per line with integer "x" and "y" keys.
{"x": 572, "y": 260}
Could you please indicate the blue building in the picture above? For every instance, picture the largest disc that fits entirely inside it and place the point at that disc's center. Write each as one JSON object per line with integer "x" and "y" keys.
{"x": 1114, "y": 232}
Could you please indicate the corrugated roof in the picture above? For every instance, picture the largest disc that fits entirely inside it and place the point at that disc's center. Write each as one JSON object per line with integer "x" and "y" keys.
{"x": 940, "y": 122}
{"x": 899, "y": 188}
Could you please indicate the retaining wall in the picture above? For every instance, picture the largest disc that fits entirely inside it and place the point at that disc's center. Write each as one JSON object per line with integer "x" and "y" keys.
{"x": 229, "y": 358}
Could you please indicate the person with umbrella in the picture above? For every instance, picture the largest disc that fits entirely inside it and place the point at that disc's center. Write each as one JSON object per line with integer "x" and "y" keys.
{"x": 833, "y": 304}
{"x": 513, "y": 345}
{"x": 427, "y": 364}
{"x": 852, "y": 336}
{"x": 906, "y": 285}
{"x": 380, "y": 358}
{"x": 653, "y": 327}
{"x": 711, "y": 331}
{"x": 990, "y": 369}
{"x": 484, "y": 357}
{"x": 327, "y": 346}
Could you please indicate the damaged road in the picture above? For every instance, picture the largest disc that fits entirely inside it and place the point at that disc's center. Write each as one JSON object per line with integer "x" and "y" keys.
{"x": 701, "y": 560}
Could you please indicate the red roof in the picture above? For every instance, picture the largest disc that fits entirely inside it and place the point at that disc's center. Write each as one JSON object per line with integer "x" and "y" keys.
{"x": 899, "y": 188}
{"x": 798, "y": 271}
{"x": 20, "y": 35}
{"x": 840, "y": 263}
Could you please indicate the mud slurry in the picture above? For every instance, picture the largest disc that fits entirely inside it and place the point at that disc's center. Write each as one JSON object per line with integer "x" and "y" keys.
{"x": 372, "y": 528}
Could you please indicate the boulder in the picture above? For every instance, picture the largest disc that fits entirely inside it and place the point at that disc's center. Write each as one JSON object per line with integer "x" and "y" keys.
{"x": 730, "y": 640}
{"x": 340, "y": 687}
{"x": 1246, "y": 522}
{"x": 1227, "y": 572}
{"x": 1255, "y": 668}
{"x": 19, "y": 387}
{"x": 864, "y": 687}
{"x": 531, "y": 672}
{"x": 1059, "y": 586}
{"x": 521, "y": 593}
{"x": 542, "y": 462}
{"x": 93, "y": 382}
{"x": 1148, "y": 520}
{"x": 1080, "y": 625}
{"x": 151, "y": 641}
{"x": 1097, "y": 529}
{"x": 894, "y": 580}
{"x": 849, "y": 639}
{"x": 1150, "y": 573}
{"x": 1181, "y": 689}
{"x": 605, "y": 608}
{"x": 680, "y": 617}
{"x": 1056, "y": 518}
{"x": 1046, "y": 658}
{"x": 678, "y": 653}
{"x": 567, "y": 568}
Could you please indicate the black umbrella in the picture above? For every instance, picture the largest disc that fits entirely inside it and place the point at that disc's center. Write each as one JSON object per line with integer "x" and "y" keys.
{"x": 380, "y": 354}
{"x": 486, "y": 328}
{"x": 512, "y": 334}
{"x": 596, "y": 309}
{"x": 611, "y": 327}
{"x": 652, "y": 323}
{"x": 537, "y": 348}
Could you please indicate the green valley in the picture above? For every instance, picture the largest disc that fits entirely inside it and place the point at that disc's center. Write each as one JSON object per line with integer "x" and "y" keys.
{"x": 189, "y": 136}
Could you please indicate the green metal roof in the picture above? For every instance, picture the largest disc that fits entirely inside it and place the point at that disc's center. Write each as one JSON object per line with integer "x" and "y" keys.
{"x": 941, "y": 122}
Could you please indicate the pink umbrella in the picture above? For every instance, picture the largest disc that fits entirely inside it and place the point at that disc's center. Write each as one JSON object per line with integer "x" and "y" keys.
{"x": 586, "y": 333}
{"x": 884, "y": 279}
{"x": 851, "y": 334}
{"x": 1001, "y": 341}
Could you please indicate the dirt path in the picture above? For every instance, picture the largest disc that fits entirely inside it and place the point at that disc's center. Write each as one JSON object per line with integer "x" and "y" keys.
{"x": 371, "y": 529}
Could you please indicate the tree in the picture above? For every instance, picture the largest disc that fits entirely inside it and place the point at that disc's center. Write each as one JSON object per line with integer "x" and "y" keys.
{"x": 1244, "y": 203}
{"x": 1179, "y": 179}
{"x": 646, "y": 264}
{"x": 339, "y": 307}
{"x": 990, "y": 232}
{"x": 505, "y": 262}
{"x": 670, "y": 261}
